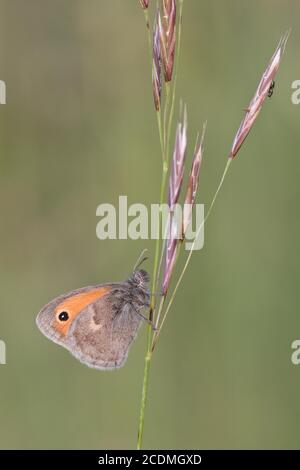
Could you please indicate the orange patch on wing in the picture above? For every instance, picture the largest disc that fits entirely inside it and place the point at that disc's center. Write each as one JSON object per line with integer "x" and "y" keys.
{"x": 74, "y": 305}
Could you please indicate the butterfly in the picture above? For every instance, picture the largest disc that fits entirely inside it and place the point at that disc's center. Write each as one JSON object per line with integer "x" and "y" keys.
{"x": 97, "y": 324}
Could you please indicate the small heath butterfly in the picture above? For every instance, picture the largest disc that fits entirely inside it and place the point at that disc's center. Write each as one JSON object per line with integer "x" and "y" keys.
{"x": 97, "y": 324}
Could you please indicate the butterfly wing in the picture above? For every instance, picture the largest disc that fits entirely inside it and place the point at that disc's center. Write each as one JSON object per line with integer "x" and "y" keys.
{"x": 72, "y": 303}
{"x": 96, "y": 324}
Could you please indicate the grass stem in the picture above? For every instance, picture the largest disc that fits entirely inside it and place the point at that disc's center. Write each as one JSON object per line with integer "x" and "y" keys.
{"x": 164, "y": 129}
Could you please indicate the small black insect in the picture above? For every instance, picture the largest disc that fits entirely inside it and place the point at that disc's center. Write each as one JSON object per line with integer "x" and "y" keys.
{"x": 271, "y": 89}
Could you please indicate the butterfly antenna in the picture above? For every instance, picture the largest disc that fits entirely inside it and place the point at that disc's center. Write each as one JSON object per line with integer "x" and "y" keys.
{"x": 140, "y": 259}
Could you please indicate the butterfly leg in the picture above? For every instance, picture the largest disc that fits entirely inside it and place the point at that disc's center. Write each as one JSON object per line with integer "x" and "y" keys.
{"x": 146, "y": 319}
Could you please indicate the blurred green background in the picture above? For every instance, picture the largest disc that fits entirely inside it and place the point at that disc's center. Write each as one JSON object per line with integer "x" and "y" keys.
{"x": 79, "y": 129}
